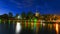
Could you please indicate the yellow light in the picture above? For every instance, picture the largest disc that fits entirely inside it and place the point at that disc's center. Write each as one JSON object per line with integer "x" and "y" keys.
{"x": 31, "y": 25}
{"x": 57, "y": 28}
{"x": 43, "y": 24}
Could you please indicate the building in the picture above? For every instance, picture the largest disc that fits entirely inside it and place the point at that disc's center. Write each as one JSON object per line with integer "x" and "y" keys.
{"x": 37, "y": 14}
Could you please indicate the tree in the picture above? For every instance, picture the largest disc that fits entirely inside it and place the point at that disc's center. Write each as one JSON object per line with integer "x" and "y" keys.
{"x": 23, "y": 15}
{"x": 10, "y": 14}
{"x": 30, "y": 14}
{"x": 16, "y": 15}
{"x": 5, "y": 16}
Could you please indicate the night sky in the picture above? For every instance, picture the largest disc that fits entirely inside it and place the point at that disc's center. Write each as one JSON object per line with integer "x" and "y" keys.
{"x": 17, "y": 6}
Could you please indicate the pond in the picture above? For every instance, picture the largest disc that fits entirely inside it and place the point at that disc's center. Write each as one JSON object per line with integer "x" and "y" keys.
{"x": 42, "y": 28}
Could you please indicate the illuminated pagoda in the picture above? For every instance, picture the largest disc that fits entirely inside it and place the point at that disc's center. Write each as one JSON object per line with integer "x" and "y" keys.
{"x": 37, "y": 13}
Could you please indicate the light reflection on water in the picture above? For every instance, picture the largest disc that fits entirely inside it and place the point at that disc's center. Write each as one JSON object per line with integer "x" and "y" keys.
{"x": 42, "y": 27}
{"x": 57, "y": 30}
{"x": 18, "y": 27}
{"x": 56, "y": 27}
{"x": 51, "y": 27}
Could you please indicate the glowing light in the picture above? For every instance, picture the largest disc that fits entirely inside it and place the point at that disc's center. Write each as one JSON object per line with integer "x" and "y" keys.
{"x": 50, "y": 26}
{"x": 32, "y": 25}
{"x": 18, "y": 28}
{"x": 35, "y": 21}
{"x": 43, "y": 24}
{"x": 57, "y": 28}
{"x": 19, "y": 17}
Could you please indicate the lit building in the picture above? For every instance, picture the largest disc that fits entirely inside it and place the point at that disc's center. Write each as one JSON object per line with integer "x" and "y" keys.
{"x": 37, "y": 14}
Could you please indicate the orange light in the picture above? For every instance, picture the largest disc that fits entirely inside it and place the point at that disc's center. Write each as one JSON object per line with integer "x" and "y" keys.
{"x": 57, "y": 28}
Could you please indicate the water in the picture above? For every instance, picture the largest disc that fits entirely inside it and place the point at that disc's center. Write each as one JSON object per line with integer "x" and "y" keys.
{"x": 18, "y": 27}
{"x": 39, "y": 29}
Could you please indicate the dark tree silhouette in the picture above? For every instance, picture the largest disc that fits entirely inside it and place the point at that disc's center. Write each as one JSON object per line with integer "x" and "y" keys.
{"x": 23, "y": 15}
{"x": 30, "y": 14}
{"x": 17, "y": 15}
{"x": 5, "y": 16}
{"x": 10, "y": 14}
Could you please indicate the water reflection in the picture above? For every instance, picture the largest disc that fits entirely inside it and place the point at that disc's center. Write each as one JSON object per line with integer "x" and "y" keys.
{"x": 18, "y": 27}
{"x": 57, "y": 30}
{"x": 39, "y": 28}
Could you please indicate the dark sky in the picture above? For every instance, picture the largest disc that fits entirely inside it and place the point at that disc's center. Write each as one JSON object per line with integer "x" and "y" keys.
{"x": 17, "y": 6}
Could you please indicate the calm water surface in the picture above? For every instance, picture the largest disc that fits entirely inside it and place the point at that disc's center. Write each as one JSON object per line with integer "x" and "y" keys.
{"x": 39, "y": 29}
